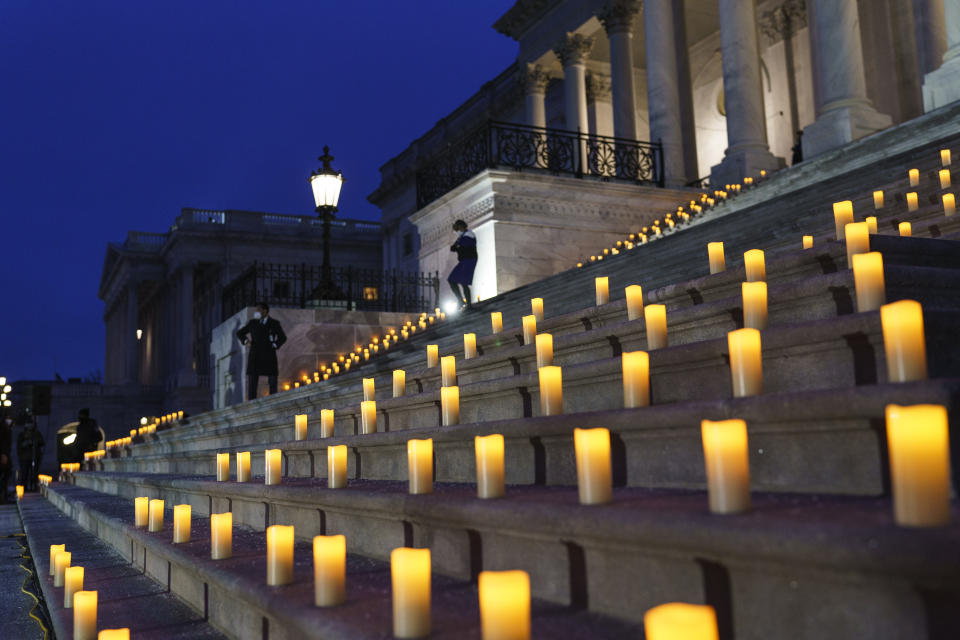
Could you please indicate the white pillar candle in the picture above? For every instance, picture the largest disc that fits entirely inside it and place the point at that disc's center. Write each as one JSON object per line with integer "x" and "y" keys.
{"x": 279, "y": 555}
{"x": 448, "y": 371}
{"x": 636, "y": 379}
{"x": 72, "y": 582}
{"x": 715, "y": 255}
{"x": 727, "y": 460}
{"x": 536, "y": 308}
{"x": 944, "y": 175}
{"x": 945, "y": 157}
{"x": 594, "y": 474}
{"x": 60, "y": 563}
{"x": 399, "y": 383}
{"x": 807, "y": 242}
{"x": 469, "y": 346}
{"x": 156, "y": 516}
{"x": 754, "y": 296}
{"x": 369, "y": 391}
{"x": 368, "y": 416}
{"x": 843, "y": 215}
{"x": 655, "y": 320}
{"x": 871, "y": 224}
{"x": 450, "y": 405}
{"x": 680, "y": 621}
{"x": 114, "y": 634}
{"x": 85, "y": 615}
{"x": 912, "y": 202}
{"x": 634, "y": 301}
{"x": 326, "y": 423}
{"x": 755, "y": 265}
{"x": 221, "y": 535}
{"x": 878, "y": 199}
{"x": 223, "y": 467}
{"x": 489, "y": 452}
{"x": 551, "y": 391}
{"x": 602, "y": 285}
{"x": 544, "y": 344}
{"x": 496, "y": 322}
{"x": 906, "y": 229}
{"x": 243, "y": 466}
{"x": 272, "y": 461}
{"x": 914, "y": 177}
{"x": 746, "y": 362}
{"x": 904, "y": 342}
{"x": 529, "y": 329}
{"x": 300, "y": 426}
{"x": 504, "y": 605}
{"x": 420, "y": 465}
{"x": 949, "y": 204}
{"x": 868, "y": 280}
{"x": 329, "y": 570}
{"x": 410, "y": 578}
{"x": 140, "y": 511}
{"x": 337, "y": 466}
{"x": 433, "y": 355}
{"x": 918, "y": 442}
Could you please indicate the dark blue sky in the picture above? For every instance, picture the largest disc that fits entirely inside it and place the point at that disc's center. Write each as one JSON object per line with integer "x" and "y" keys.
{"x": 114, "y": 114}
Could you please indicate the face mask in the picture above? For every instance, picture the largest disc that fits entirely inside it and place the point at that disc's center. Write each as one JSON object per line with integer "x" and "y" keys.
{"x": 256, "y": 315}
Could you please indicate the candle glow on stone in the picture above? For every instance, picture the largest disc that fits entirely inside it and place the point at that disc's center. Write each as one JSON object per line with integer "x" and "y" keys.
{"x": 469, "y": 346}
{"x": 243, "y": 466}
{"x": 368, "y": 416}
{"x": 636, "y": 379}
{"x": 410, "y": 578}
{"x": 140, "y": 506}
{"x": 807, "y": 242}
{"x": 551, "y": 390}
{"x": 529, "y": 329}
{"x": 504, "y": 605}
{"x": 727, "y": 458}
{"x": 433, "y": 355}
{"x": 279, "y": 554}
{"x": 155, "y": 516}
{"x": 755, "y": 265}
{"x": 450, "y": 405}
{"x": 914, "y": 177}
{"x": 544, "y": 344}
{"x": 746, "y": 362}
{"x": 489, "y": 451}
{"x": 655, "y": 321}
{"x": 420, "y": 465}
{"x": 337, "y": 466}
{"x": 72, "y": 582}
{"x": 919, "y": 449}
{"x": 399, "y": 383}
{"x": 272, "y": 460}
{"x": 949, "y": 204}
{"x": 912, "y": 202}
{"x": 602, "y": 286}
{"x": 223, "y": 467}
{"x": 944, "y": 175}
{"x": 181, "y": 523}
{"x": 634, "y": 301}
{"x": 906, "y": 229}
{"x": 60, "y": 563}
{"x": 904, "y": 343}
{"x": 754, "y": 296}
{"x": 369, "y": 392}
{"x": 594, "y": 474}
{"x": 536, "y": 308}
{"x": 843, "y": 215}
{"x": 878, "y": 199}
{"x": 857, "y": 236}
{"x": 85, "y": 615}
{"x": 326, "y": 423}
{"x": 448, "y": 371}
{"x": 680, "y": 621}
{"x": 718, "y": 262}
{"x": 329, "y": 570}
{"x": 496, "y": 322}
{"x": 868, "y": 280}
{"x": 221, "y": 535}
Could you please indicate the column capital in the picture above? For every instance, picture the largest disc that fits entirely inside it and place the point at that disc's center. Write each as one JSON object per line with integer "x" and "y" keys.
{"x": 617, "y": 15}
{"x": 598, "y": 88}
{"x": 534, "y": 78}
{"x": 782, "y": 21}
{"x": 574, "y": 48}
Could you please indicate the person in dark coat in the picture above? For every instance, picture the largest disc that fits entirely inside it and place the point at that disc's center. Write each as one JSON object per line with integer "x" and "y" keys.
{"x": 88, "y": 434}
{"x": 30, "y": 445}
{"x": 6, "y": 463}
{"x": 462, "y": 274}
{"x": 265, "y": 336}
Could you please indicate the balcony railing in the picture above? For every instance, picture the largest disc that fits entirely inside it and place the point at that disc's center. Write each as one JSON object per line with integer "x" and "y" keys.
{"x": 554, "y": 151}
{"x": 298, "y": 286}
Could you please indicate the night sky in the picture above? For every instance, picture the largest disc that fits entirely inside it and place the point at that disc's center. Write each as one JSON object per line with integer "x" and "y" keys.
{"x": 113, "y": 115}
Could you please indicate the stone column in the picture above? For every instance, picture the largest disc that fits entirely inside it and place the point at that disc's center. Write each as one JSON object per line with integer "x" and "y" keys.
{"x": 663, "y": 88}
{"x": 747, "y": 150}
{"x": 617, "y": 18}
{"x": 846, "y": 113}
{"x": 130, "y": 344}
{"x": 535, "y": 80}
{"x": 599, "y": 110}
{"x": 941, "y": 87}
{"x": 931, "y": 34}
{"x": 573, "y": 51}
{"x": 187, "y": 376}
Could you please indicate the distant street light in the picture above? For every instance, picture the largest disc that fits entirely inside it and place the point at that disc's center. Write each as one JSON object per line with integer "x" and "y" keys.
{"x": 326, "y": 184}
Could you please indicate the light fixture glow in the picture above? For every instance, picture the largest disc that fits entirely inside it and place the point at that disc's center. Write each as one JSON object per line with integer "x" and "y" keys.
{"x": 70, "y": 439}
{"x": 139, "y": 333}
{"x": 450, "y": 307}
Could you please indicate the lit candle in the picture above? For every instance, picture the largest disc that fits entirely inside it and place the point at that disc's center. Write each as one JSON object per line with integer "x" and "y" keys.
{"x": 636, "y": 379}
{"x": 337, "y": 466}
{"x": 945, "y": 157}
{"x": 717, "y": 261}
{"x": 914, "y": 177}
{"x": 912, "y": 203}
{"x": 949, "y": 204}
{"x": 114, "y": 634}
{"x": 594, "y": 475}
{"x": 496, "y": 321}
{"x": 223, "y": 467}
{"x": 243, "y": 466}
{"x": 529, "y": 329}
{"x": 85, "y": 615}
{"x": 72, "y": 582}
{"x": 634, "y": 301}
{"x": 399, "y": 383}
{"x": 903, "y": 341}
{"x": 755, "y": 265}
{"x": 326, "y": 423}
{"x": 60, "y": 563}
{"x": 420, "y": 465}
{"x": 857, "y": 235}
{"x": 329, "y": 570}
{"x": 868, "y": 279}
{"x": 469, "y": 346}
{"x": 279, "y": 554}
{"x": 680, "y": 621}
{"x": 504, "y": 605}
{"x": 490, "y": 471}
{"x": 843, "y": 215}
{"x": 140, "y": 513}
{"x": 221, "y": 535}
{"x": 807, "y": 242}
{"x": 450, "y": 405}
{"x": 433, "y": 355}
{"x": 906, "y": 229}
{"x": 551, "y": 391}
{"x": 919, "y": 449}
{"x": 944, "y": 178}
{"x": 410, "y": 578}
{"x": 368, "y": 389}
{"x": 728, "y": 465}
{"x": 181, "y": 523}
{"x": 878, "y": 199}
{"x": 746, "y": 364}
{"x": 602, "y": 285}
{"x": 368, "y": 416}
{"x": 754, "y": 295}
{"x": 544, "y": 342}
{"x": 536, "y": 308}
{"x": 19, "y": 491}
{"x": 448, "y": 371}
{"x": 655, "y": 319}
{"x": 156, "y": 516}
{"x": 272, "y": 460}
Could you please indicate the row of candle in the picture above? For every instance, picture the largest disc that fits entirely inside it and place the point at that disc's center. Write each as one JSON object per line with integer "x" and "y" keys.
{"x": 83, "y": 602}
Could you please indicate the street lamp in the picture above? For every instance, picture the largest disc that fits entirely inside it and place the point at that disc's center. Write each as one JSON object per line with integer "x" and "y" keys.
{"x": 326, "y": 183}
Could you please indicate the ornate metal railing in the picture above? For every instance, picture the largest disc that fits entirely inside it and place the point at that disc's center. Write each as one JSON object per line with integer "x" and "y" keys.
{"x": 300, "y": 286}
{"x": 525, "y": 148}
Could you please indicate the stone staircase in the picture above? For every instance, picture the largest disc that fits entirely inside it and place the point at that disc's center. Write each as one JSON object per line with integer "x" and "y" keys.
{"x": 818, "y": 556}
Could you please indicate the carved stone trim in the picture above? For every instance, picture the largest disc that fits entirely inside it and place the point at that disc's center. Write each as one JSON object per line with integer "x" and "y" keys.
{"x": 782, "y": 21}
{"x": 574, "y": 48}
{"x": 598, "y": 88}
{"x": 617, "y": 15}
{"x": 534, "y": 79}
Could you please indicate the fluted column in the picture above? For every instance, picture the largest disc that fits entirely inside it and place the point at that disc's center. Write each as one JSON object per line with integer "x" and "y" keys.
{"x": 747, "y": 149}
{"x": 187, "y": 376}
{"x": 846, "y": 113}
{"x": 941, "y": 87}
{"x": 617, "y": 18}
{"x": 663, "y": 89}
{"x": 573, "y": 51}
{"x": 535, "y": 80}
{"x": 599, "y": 108}
{"x": 131, "y": 347}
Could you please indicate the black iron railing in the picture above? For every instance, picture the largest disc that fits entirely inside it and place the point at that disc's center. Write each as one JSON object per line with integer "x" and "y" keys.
{"x": 525, "y": 148}
{"x": 301, "y": 286}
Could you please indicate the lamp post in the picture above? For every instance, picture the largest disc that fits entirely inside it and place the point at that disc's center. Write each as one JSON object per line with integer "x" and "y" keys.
{"x": 326, "y": 183}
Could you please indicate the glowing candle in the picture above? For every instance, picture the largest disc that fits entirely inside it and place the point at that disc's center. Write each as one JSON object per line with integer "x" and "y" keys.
{"x": 368, "y": 416}
{"x": 634, "y": 301}
{"x": 715, "y": 254}
{"x": 19, "y": 490}
{"x": 903, "y": 341}
{"x": 490, "y": 470}
{"x": 727, "y": 460}
{"x": 85, "y": 615}
{"x": 949, "y": 204}
{"x": 368, "y": 389}
{"x": 680, "y": 621}
{"x": 60, "y": 563}
{"x": 223, "y": 467}
{"x": 594, "y": 475}
{"x": 529, "y": 329}
{"x": 140, "y": 506}
{"x": 272, "y": 459}
{"x": 420, "y": 465}
{"x": 433, "y": 355}
{"x": 807, "y": 242}
{"x": 448, "y": 371}
{"x": 410, "y": 577}
{"x": 504, "y": 605}
{"x": 945, "y": 157}
{"x": 602, "y": 285}
{"x": 551, "y": 391}
{"x": 496, "y": 321}
{"x": 868, "y": 279}
{"x": 399, "y": 383}
{"x": 912, "y": 203}
{"x": 243, "y": 466}
{"x": 544, "y": 343}
{"x": 279, "y": 554}
{"x": 636, "y": 379}
{"x": 326, "y": 423}
{"x": 536, "y": 308}
{"x": 944, "y": 178}
{"x": 155, "y": 519}
{"x": 746, "y": 364}
{"x": 181, "y": 523}
{"x": 906, "y": 229}
{"x": 655, "y": 319}
{"x": 450, "y": 405}
{"x": 919, "y": 449}
{"x": 114, "y": 634}
{"x": 54, "y": 550}
{"x": 755, "y": 265}
{"x": 878, "y": 199}
{"x": 469, "y": 346}
{"x": 337, "y": 466}
{"x": 329, "y": 570}
{"x": 842, "y": 216}
{"x": 914, "y": 177}
{"x": 754, "y": 295}
{"x": 72, "y": 582}
{"x": 221, "y": 535}
{"x": 857, "y": 235}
